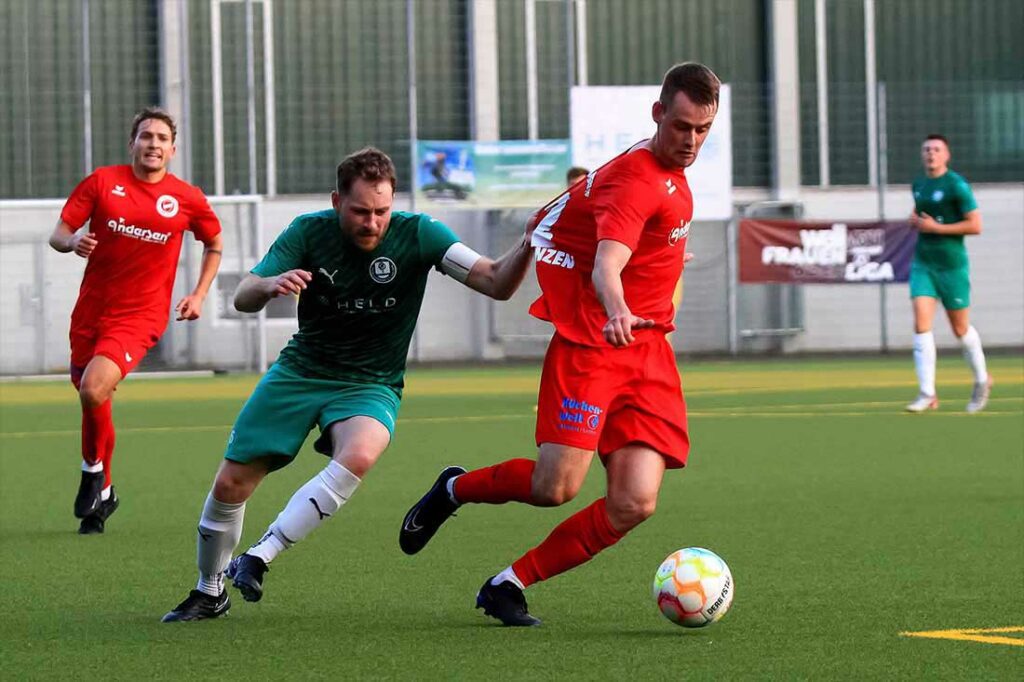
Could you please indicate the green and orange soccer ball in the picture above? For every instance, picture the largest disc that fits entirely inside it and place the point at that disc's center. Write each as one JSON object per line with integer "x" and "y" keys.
{"x": 693, "y": 587}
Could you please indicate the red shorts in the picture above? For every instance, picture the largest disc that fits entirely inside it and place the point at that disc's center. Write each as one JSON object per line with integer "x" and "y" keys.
{"x": 606, "y": 398}
{"x": 124, "y": 343}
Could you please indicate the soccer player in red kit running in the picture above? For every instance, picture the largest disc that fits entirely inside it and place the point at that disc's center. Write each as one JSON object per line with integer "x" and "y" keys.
{"x": 609, "y": 252}
{"x": 137, "y": 215}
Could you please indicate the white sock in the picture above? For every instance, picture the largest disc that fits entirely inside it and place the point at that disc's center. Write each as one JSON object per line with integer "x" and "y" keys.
{"x": 92, "y": 468}
{"x": 451, "y": 489}
{"x": 924, "y": 361}
{"x": 509, "y": 575}
{"x": 220, "y": 528}
{"x": 974, "y": 355}
{"x": 317, "y": 500}
{"x": 105, "y": 494}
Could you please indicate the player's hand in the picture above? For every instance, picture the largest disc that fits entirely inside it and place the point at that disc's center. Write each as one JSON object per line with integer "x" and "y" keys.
{"x": 618, "y": 330}
{"x": 190, "y": 307}
{"x": 83, "y": 243}
{"x": 291, "y": 283}
{"x": 687, "y": 257}
{"x": 924, "y": 222}
{"x": 531, "y": 224}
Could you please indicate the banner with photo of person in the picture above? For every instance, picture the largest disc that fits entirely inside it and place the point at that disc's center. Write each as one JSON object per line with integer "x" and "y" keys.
{"x": 797, "y": 251}
{"x": 506, "y": 173}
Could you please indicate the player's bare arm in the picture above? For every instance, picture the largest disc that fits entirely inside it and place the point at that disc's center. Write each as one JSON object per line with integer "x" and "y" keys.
{"x": 254, "y": 292}
{"x": 501, "y": 278}
{"x": 190, "y": 307}
{"x": 66, "y": 239}
{"x": 970, "y": 225}
{"x": 610, "y": 260}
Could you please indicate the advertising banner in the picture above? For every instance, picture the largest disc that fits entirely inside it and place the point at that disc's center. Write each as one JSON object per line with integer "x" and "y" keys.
{"x": 508, "y": 173}
{"x": 607, "y": 120}
{"x": 825, "y": 253}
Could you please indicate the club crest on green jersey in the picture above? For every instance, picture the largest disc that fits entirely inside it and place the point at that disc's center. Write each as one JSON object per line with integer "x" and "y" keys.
{"x": 383, "y": 270}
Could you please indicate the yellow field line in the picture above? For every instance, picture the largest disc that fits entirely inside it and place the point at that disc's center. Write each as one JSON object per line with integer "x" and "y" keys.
{"x": 973, "y": 635}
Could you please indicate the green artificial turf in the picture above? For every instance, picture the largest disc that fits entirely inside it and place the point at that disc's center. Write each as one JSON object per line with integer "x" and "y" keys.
{"x": 844, "y": 521}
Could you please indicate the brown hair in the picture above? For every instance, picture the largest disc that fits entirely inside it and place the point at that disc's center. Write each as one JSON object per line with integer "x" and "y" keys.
{"x": 575, "y": 172}
{"x": 370, "y": 164}
{"x": 153, "y": 113}
{"x": 699, "y": 83}
{"x": 940, "y": 138}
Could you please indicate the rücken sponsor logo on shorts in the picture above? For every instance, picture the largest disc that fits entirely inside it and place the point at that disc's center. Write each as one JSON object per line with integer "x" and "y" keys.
{"x": 579, "y": 415}
{"x": 141, "y": 233}
{"x": 554, "y": 257}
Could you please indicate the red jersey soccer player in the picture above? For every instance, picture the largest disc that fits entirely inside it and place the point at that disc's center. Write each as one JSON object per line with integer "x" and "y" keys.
{"x": 137, "y": 215}
{"x": 609, "y": 252}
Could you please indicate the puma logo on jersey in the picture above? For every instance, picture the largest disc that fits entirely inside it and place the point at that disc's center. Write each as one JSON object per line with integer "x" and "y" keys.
{"x": 118, "y": 191}
{"x": 669, "y": 186}
{"x": 329, "y": 275}
{"x": 554, "y": 257}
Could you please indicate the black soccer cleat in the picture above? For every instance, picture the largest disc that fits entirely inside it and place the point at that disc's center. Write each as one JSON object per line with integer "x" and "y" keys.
{"x": 88, "y": 499}
{"x": 199, "y": 606}
{"x": 427, "y": 515}
{"x": 95, "y": 523}
{"x": 506, "y": 602}
{"x": 246, "y": 572}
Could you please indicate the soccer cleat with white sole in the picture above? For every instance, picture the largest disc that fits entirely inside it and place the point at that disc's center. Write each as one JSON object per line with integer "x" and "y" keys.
{"x": 979, "y": 396}
{"x": 923, "y": 403}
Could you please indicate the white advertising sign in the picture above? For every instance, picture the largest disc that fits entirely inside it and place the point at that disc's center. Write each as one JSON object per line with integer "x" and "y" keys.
{"x": 607, "y": 120}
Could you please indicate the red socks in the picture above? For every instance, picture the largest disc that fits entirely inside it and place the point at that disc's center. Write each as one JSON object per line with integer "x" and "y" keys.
{"x": 98, "y": 437}
{"x": 573, "y": 542}
{"x": 506, "y": 482}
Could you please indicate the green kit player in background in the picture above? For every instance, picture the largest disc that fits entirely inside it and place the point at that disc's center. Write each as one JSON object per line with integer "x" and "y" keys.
{"x": 944, "y": 211}
{"x": 360, "y": 271}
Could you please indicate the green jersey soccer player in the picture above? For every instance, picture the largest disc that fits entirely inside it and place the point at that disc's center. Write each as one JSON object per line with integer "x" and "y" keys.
{"x": 944, "y": 212}
{"x": 360, "y": 270}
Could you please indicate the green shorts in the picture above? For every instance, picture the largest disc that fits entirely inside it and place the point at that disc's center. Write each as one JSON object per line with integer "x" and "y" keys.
{"x": 952, "y": 286}
{"x": 285, "y": 406}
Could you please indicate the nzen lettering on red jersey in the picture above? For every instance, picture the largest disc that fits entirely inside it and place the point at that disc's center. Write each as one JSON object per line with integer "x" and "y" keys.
{"x": 555, "y": 257}
{"x": 141, "y": 233}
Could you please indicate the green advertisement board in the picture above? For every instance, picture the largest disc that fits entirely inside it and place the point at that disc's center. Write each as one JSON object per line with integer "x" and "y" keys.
{"x": 508, "y": 173}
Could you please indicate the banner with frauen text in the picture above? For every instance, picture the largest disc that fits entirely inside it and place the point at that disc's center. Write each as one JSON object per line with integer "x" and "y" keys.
{"x": 798, "y": 251}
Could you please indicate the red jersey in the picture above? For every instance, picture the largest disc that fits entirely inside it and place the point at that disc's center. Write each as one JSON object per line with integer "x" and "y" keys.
{"x": 634, "y": 200}
{"x": 138, "y": 228}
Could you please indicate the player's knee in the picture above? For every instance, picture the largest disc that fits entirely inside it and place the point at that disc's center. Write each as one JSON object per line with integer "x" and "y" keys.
{"x": 357, "y": 461}
{"x": 553, "y": 493}
{"x": 960, "y": 330}
{"x": 630, "y": 513}
{"x": 93, "y": 394}
{"x": 233, "y": 487}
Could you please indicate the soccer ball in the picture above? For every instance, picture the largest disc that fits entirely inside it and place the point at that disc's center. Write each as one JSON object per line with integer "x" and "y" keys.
{"x": 693, "y": 587}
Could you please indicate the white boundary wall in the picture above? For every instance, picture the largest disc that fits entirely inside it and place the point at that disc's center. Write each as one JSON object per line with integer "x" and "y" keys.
{"x": 454, "y": 321}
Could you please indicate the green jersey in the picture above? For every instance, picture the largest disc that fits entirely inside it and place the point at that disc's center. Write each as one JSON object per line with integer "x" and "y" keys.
{"x": 357, "y": 315}
{"x": 946, "y": 198}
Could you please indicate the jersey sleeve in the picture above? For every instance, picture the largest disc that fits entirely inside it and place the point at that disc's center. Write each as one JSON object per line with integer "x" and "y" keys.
{"x": 622, "y": 205}
{"x": 79, "y": 206}
{"x": 286, "y": 253}
{"x": 435, "y": 238}
{"x": 965, "y": 197}
{"x": 204, "y": 223}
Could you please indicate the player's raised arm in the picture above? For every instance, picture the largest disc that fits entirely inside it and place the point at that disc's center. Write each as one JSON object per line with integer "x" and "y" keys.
{"x": 254, "y": 292}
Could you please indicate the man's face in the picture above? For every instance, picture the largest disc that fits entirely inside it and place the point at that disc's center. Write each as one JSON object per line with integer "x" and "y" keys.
{"x": 364, "y": 212}
{"x": 153, "y": 147}
{"x": 934, "y": 155}
{"x": 682, "y": 128}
